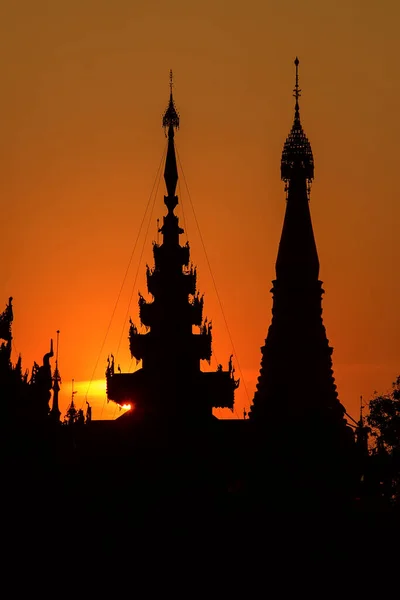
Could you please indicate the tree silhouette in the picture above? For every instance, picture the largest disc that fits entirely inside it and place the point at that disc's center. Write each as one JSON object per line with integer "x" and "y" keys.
{"x": 384, "y": 418}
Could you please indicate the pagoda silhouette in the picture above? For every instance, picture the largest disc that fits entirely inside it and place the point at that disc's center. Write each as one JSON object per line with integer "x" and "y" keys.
{"x": 295, "y": 450}
{"x": 25, "y": 396}
{"x": 296, "y": 411}
{"x": 296, "y": 375}
{"x": 170, "y": 385}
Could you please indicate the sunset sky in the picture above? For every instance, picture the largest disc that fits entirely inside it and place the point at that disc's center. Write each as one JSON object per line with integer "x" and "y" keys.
{"x": 84, "y": 86}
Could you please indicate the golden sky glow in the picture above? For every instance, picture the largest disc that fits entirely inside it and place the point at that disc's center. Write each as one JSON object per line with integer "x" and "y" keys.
{"x": 84, "y": 86}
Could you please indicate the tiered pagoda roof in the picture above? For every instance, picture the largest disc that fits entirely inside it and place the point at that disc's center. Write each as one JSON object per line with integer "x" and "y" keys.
{"x": 170, "y": 383}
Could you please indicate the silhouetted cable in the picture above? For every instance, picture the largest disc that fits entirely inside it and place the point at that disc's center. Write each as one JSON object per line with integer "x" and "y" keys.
{"x": 183, "y": 211}
{"x": 212, "y": 277}
{"x": 140, "y": 259}
{"x": 123, "y": 281}
{"x": 350, "y": 417}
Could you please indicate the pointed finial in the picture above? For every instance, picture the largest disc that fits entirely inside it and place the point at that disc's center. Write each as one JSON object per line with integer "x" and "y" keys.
{"x": 73, "y": 394}
{"x": 171, "y": 117}
{"x": 297, "y": 90}
{"x": 58, "y": 341}
{"x": 56, "y": 371}
{"x": 171, "y": 122}
{"x": 297, "y": 153}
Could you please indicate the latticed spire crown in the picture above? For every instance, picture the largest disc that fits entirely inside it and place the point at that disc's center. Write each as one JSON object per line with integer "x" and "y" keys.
{"x": 171, "y": 116}
{"x": 297, "y": 155}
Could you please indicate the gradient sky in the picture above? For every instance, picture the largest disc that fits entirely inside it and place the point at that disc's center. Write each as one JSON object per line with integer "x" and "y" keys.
{"x": 84, "y": 86}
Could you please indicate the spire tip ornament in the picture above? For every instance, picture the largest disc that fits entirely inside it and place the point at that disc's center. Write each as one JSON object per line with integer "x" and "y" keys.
{"x": 297, "y": 156}
{"x": 171, "y": 122}
{"x": 171, "y": 116}
{"x": 297, "y": 90}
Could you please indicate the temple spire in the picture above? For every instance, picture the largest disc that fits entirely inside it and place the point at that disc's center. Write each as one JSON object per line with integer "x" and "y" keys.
{"x": 55, "y": 410}
{"x": 171, "y": 122}
{"x": 170, "y": 386}
{"x": 296, "y": 375}
{"x": 71, "y": 414}
{"x": 297, "y": 90}
{"x": 297, "y": 255}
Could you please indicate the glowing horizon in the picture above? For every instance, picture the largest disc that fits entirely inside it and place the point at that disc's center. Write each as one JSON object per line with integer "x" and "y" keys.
{"x": 93, "y": 392}
{"x": 81, "y": 142}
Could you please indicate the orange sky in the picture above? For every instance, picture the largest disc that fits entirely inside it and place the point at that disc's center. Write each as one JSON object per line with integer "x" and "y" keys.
{"x": 84, "y": 86}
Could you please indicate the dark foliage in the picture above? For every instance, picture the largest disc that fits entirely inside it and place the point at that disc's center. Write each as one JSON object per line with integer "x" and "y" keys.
{"x": 384, "y": 418}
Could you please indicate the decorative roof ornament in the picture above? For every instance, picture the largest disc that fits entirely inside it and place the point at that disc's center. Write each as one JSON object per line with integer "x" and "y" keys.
{"x": 297, "y": 156}
{"x": 55, "y": 410}
{"x": 171, "y": 121}
{"x": 6, "y": 319}
{"x": 171, "y": 116}
{"x": 297, "y": 91}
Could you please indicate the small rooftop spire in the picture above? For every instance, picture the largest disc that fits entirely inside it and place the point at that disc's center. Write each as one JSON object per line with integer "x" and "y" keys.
{"x": 55, "y": 411}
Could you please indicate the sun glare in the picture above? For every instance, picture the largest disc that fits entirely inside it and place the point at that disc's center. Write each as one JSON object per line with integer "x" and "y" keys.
{"x": 93, "y": 389}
